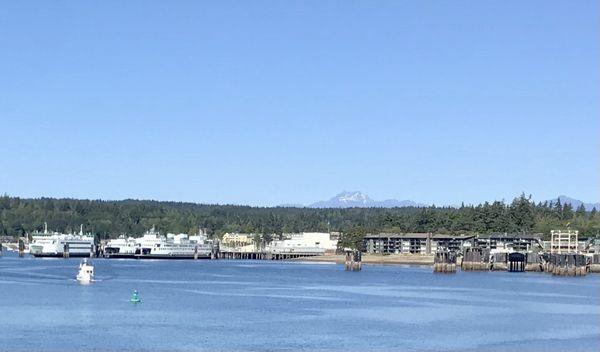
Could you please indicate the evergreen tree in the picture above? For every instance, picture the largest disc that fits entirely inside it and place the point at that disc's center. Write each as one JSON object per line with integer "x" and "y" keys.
{"x": 567, "y": 212}
{"x": 521, "y": 214}
{"x": 558, "y": 209}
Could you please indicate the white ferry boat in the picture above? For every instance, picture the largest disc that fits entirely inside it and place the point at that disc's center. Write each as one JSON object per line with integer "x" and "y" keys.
{"x": 122, "y": 247}
{"x": 154, "y": 246}
{"x": 54, "y": 244}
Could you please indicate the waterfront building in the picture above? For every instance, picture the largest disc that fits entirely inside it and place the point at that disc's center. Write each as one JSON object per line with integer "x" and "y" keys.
{"x": 415, "y": 243}
{"x": 509, "y": 241}
{"x": 237, "y": 239}
{"x": 305, "y": 242}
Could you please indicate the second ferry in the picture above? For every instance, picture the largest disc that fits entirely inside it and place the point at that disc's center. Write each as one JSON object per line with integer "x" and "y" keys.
{"x": 152, "y": 245}
{"x": 55, "y": 244}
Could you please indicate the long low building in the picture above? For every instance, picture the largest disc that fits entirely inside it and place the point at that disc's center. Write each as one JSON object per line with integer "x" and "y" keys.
{"x": 415, "y": 243}
{"x": 427, "y": 243}
{"x": 509, "y": 241}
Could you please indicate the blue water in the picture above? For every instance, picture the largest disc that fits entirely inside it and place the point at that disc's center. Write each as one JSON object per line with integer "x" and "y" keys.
{"x": 290, "y": 306}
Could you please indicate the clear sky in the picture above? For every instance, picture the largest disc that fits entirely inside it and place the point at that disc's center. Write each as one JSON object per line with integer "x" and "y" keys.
{"x": 270, "y": 102}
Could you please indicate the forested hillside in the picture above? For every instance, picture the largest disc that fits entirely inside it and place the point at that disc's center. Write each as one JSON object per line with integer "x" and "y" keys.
{"x": 112, "y": 218}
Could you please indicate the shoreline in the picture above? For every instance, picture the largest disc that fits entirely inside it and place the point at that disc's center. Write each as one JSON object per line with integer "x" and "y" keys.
{"x": 413, "y": 259}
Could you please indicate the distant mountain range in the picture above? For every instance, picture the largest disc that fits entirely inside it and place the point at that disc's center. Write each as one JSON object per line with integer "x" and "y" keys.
{"x": 575, "y": 203}
{"x": 357, "y": 199}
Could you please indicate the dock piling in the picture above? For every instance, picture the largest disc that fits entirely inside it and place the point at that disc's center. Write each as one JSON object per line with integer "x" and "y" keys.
{"x": 353, "y": 260}
{"x": 498, "y": 262}
{"x": 66, "y": 251}
{"x": 21, "y": 248}
{"x": 476, "y": 258}
{"x": 516, "y": 262}
{"x": 594, "y": 263}
{"x": 444, "y": 262}
{"x": 566, "y": 264}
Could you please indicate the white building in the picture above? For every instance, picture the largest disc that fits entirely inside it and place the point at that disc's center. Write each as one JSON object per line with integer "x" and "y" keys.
{"x": 320, "y": 242}
{"x": 237, "y": 239}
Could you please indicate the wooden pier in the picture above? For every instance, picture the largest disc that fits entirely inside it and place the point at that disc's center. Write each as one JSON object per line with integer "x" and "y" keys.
{"x": 499, "y": 261}
{"x": 566, "y": 264}
{"x": 475, "y": 259}
{"x": 353, "y": 260}
{"x": 594, "y": 263}
{"x": 517, "y": 262}
{"x": 444, "y": 262}
{"x": 534, "y": 262}
{"x": 263, "y": 255}
{"x": 564, "y": 258}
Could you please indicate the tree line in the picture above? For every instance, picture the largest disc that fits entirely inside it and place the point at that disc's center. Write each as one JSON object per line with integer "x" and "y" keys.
{"x": 109, "y": 219}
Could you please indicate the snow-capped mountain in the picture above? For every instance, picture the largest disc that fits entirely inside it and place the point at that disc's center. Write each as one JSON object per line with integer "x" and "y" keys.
{"x": 358, "y": 199}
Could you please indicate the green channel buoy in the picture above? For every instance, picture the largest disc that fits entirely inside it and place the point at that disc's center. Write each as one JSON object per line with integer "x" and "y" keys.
{"x": 135, "y": 297}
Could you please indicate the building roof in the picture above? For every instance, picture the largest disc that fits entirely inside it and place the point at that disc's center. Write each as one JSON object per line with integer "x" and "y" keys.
{"x": 510, "y": 236}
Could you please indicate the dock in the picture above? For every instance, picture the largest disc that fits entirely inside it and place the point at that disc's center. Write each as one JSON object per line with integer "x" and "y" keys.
{"x": 264, "y": 255}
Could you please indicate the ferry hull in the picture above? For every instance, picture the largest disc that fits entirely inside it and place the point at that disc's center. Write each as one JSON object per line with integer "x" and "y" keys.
{"x": 60, "y": 255}
{"x": 161, "y": 256}
{"x": 119, "y": 256}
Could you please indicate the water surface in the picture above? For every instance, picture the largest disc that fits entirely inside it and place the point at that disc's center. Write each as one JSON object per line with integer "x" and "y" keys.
{"x": 290, "y": 306}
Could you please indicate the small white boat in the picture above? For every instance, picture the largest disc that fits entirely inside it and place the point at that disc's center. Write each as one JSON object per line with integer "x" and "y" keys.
{"x": 86, "y": 272}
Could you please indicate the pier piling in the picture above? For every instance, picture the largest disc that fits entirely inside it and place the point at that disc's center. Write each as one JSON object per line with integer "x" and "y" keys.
{"x": 594, "y": 263}
{"x": 476, "y": 258}
{"x": 498, "y": 261}
{"x": 21, "y": 248}
{"x": 353, "y": 260}
{"x": 566, "y": 264}
{"x": 534, "y": 262}
{"x": 66, "y": 251}
{"x": 444, "y": 262}
{"x": 516, "y": 262}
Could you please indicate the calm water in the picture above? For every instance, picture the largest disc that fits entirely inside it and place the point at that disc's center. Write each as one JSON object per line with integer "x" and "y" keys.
{"x": 276, "y": 306}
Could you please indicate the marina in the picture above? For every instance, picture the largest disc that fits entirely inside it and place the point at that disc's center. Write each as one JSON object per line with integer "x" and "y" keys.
{"x": 565, "y": 254}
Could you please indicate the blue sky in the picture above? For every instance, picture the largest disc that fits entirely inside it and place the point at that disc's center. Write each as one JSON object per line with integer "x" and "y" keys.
{"x": 270, "y": 102}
